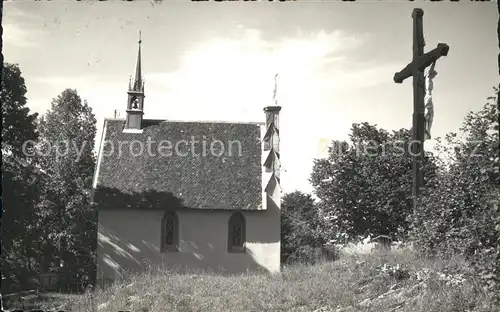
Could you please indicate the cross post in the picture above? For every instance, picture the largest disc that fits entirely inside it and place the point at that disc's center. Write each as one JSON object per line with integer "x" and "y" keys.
{"x": 416, "y": 70}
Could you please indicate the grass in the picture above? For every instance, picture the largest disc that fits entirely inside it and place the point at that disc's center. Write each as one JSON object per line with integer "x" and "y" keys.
{"x": 44, "y": 301}
{"x": 380, "y": 281}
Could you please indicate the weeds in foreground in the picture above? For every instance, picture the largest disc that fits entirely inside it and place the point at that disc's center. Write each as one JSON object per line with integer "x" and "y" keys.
{"x": 381, "y": 281}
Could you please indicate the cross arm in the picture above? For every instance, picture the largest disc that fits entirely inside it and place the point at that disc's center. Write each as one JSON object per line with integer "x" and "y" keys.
{"x": 422, "y": 62}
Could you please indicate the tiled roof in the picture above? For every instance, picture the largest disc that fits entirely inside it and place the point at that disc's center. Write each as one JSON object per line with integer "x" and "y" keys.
{"x": 230, "y": 181}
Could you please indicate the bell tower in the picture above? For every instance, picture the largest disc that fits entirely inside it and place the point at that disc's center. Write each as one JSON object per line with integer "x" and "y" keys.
{"x": 135, "y": 101}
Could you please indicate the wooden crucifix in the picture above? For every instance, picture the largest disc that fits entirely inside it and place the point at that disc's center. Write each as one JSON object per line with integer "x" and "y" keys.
{"x": 416, "y": 70}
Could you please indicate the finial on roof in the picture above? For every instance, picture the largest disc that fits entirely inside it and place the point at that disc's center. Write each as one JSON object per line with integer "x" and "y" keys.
{"x": 275, "y": 89}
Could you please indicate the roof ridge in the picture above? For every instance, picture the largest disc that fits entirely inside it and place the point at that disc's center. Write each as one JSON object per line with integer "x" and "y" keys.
{"x": 195, "y": 121}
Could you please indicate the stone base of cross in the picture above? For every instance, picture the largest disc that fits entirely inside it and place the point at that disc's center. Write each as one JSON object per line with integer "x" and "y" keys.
{"x": 416, "y": 69}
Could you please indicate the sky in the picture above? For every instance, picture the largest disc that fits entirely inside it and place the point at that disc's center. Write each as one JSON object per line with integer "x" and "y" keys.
{"x": 217, "y": 61}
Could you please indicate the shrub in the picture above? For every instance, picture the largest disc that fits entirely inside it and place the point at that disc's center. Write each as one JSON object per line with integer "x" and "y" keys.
{"x": 458, "y": 210}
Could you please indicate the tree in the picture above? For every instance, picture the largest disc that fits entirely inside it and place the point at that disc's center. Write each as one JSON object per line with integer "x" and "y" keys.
{"x": 18, "y": 125}
{"x": 19, "y": 183}
{"x": 365, "y": 185}
{"x": 67, "y": 134}
{"x": 300, "y": 228}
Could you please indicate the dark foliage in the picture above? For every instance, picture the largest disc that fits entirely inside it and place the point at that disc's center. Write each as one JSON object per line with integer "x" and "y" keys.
{"x": 458, "y": 212}
{"x": 365, "y": 185}
{"x": 19, "y": 184}
{"x": 65, "y": 154}
{"x": 301, "y": 231}
{"x": 47, "y": 219}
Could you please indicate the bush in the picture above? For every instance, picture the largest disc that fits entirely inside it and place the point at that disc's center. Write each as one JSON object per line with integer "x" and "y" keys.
{"x": 458, "y": 210}
{"x": 301, "y": 236}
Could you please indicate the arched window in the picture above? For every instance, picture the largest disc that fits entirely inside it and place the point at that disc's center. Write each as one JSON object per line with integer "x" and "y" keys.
{"x": 236, "y": 233}
{"x": 170, "y": 232}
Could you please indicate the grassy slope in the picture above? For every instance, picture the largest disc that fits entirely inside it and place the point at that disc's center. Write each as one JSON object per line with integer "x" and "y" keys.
{"x": 390, "y": 281}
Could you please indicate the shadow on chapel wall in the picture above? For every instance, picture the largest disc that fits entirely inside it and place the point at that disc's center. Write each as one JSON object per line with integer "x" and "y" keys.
{"x": 130, "y": 234}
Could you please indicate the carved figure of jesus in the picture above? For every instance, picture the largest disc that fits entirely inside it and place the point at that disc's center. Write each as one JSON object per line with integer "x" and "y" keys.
{"x": 429, "y": 106}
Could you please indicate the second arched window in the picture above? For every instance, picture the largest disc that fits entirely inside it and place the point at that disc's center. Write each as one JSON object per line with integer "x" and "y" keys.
{"x": 170, "y": 232}
{"x": 236, "y": 233}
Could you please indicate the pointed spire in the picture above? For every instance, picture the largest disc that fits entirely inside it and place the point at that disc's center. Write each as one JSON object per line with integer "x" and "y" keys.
{"x": 138, "y": 70}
